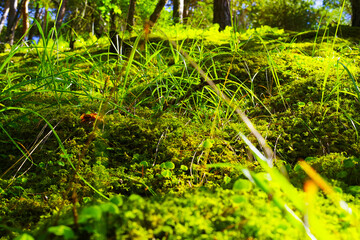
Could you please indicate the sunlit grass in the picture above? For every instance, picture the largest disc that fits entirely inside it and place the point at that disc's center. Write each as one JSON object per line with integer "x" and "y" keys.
{"x": 184, "y": 78}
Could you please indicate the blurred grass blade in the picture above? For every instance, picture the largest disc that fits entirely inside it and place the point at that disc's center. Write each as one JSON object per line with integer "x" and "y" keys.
{"x": 324, "y": 186}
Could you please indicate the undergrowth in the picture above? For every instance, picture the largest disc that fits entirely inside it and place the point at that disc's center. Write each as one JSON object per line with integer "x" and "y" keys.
{"x": 151, "y": 144}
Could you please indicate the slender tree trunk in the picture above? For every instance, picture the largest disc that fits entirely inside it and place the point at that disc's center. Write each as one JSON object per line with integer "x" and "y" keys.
{"x": 355, "y": 17}
{"x": 14, "y": 19}
{"x": 11, "y": 21}
{"x": 130, "y": 16}
{"x": 5, "y": 14}
{"x": 156, "y": 14}
{"x": 178, "y": 10}
{"x": 115, "y": 40}
{"x": 37, "y": 18}
{"x": 186, "y": 11}
{"x": 44, "y": 26}
{"x": 61, "y": 15}
{"x": 12, "y": 14}
{"x": 222, "y": 13}
{"x": 25, "y": 16}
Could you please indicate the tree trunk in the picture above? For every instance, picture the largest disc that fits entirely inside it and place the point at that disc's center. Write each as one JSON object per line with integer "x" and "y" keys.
{"x": 186, "y": 10}
{"x": 115, "y": 40}
{"x": 153, "y": 18}
{"x": 13, "y": 19}
{"x": 5, "y": 14}
{"x": 222, "y": 13}
{"x": 25, "y": 16}
{"x": 355, "y": 17}
{"x": 130, "y": 16}
{"x": 12, "y": 14}
{"x": 44, "y": 26}
{"x": 37, "y": 18}
{"x": 178, "y": 10}
{"x": 61, "y": 15}
{"x": 156, "y": 14}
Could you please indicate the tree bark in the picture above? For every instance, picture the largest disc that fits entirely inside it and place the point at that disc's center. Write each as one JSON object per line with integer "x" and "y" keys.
{"x": 5, "y": 14}
{"x": 186, "y": 10}
{"x": 355, "y": 17}
{"x": 13, "y": 19}
{"x": 222, "y": 13}
{"x": 115, "y": 40}
{"x": 25, "y": 16}
{"x": 12, "y": 13}
{"x": 33, "y": 30}
{"x": 130, "y": 16}
{"x": 156, "y": 14}
{"x": 44, "y": 26}
{"x": 61, "y": 15}
{"x": 178, "y": 9}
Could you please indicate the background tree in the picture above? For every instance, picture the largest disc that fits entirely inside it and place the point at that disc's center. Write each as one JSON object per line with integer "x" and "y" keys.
{"x": 13, "y": 19}
{"x": 186, "y": 11}
{"x": 25, "y": 17}
{"x": 286, "y": 14}
{"x": 222, "y": 13}
{"x": 61, "y": 14}
{"x": 178, "y": 11}
{"x": 34, "y": 30}
{"x": 130, "y": 16}
{"x": 4, "y": 14}
{"x": 355, "y": 16}
{"x": 330, "y": 12}
{"x": 156, "y": 14}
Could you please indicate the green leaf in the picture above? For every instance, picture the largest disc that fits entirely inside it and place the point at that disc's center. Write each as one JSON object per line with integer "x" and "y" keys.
{"x": 62, "y": 230}
{"x": 166, "y": 173}
{"x": 136, "y": 156}
{"x": 144, "y": 163}
{"x": 24, "y": 236}
{"x": 301, "y": 104}
{"x": 93, "y": 212}
{"x": 208, "y": 143}
{"x": 60, "y": 163}
{"x": 242, "y": 185}
{"x": 136, "y": 198}
{"x": 109, "y": 207}
{"x": 86, "y": 199}
{"x": 117, "y": 200}
{"x": 169, "y": 165}
{"x": 227, "y": 179}
{"x": 183, "y": 167}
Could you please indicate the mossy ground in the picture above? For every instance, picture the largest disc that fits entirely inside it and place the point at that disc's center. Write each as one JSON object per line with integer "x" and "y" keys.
{"x": 151, "y": 158}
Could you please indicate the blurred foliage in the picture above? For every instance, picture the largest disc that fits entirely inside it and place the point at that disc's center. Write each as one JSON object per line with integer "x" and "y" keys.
{"x": 287, "y": 14}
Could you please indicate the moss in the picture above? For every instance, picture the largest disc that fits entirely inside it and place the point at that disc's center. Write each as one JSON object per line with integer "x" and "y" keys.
{"x": 164, "y": 114}
{"x": 200, "y": 215}
{"x": 335, "y": 167}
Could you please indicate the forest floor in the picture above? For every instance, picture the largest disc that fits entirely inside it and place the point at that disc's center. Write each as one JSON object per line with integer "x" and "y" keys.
{"x": 97, "y": 146}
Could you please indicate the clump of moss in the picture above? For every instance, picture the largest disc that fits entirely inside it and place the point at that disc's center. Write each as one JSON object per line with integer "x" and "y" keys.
{"x": 312, "y": 129}
{"x": 335, "y": 167}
